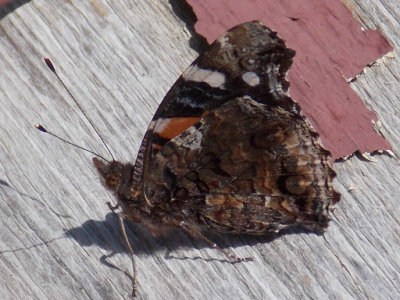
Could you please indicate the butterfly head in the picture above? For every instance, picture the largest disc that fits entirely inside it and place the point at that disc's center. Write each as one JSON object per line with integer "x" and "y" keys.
{"x": 113, "y": 174}
{"x": 118, "y": 177}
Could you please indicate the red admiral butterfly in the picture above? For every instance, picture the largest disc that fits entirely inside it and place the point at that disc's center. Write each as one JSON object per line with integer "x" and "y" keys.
{"x": 228, "y": 150}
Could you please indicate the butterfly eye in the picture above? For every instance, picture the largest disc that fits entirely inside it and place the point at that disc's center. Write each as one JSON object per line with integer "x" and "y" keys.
{"x": 112, "y": 181}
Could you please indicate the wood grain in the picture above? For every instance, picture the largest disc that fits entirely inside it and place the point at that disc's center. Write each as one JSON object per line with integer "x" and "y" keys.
{"x": 118, "y": 59}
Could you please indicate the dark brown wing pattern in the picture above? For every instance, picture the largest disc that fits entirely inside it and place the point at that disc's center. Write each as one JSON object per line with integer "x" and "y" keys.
{"x": 245, "y": 168}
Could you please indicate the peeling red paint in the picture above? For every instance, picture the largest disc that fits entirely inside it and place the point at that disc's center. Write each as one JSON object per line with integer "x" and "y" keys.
{"x": 331, "y": 47}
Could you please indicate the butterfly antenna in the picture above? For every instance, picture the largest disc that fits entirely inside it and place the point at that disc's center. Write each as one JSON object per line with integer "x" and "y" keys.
{"x": 51, "y": 67}
{"x": 42, "y": 129}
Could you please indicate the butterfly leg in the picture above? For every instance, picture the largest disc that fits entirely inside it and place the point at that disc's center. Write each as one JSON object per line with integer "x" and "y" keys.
{"x": 198, "y": 234}
{"x": 112, "y": 207}
{"x": 121, "y": 218}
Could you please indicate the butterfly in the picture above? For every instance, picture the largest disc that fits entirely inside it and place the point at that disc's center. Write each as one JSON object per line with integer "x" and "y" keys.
{"x": 228, "y": 150}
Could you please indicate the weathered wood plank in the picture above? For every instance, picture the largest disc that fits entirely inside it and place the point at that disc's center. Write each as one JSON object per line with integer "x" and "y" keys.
{"x": 119, "y": 59}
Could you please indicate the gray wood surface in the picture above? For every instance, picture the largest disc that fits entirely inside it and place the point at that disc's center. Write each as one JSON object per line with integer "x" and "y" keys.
{"x": 119, "y": 58}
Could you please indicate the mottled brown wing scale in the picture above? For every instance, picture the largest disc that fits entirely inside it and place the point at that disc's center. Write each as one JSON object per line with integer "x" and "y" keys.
{"x": 244, "y": 168}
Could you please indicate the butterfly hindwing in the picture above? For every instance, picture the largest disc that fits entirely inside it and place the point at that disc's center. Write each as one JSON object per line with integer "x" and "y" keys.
{"x": 245, "y": 167}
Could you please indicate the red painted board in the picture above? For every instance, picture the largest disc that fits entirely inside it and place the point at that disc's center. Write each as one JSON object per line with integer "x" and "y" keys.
{"x": 330, "y": 48}
{"x": 3, "y": 2}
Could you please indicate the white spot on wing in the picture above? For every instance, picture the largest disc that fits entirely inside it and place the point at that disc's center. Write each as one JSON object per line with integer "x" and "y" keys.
{"x": 251, "y": 78}
{"x": 193, "y": 140}
{"x": 267, "y": 200}
{"x": 224, "y": 40}
{"x": 212, "y": 78}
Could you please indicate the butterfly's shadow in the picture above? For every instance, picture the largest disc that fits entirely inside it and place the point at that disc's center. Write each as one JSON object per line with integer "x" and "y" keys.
{"x": 10, "y": 7}
{"x": 185, "y": 12}
{"x": 107, "y": 235}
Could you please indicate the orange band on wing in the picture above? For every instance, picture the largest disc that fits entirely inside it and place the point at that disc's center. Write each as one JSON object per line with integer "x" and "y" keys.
{"x": 157, "y": 146}
{"x": 170, "y": 128}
